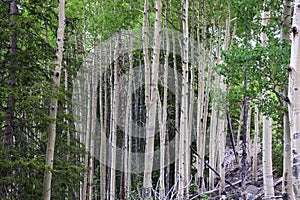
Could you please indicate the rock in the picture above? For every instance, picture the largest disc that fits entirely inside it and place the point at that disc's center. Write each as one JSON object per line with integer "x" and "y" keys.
{"x": 251, "y": 189}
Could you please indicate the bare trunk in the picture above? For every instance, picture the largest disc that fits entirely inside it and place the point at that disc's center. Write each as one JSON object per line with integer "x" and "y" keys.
{"x": 222, "y": 121}
{"x": 267, "y": 133}
{"x": 294, "y": 98}
{"x": 114, "y": 120}
{"x": 54, "y": 101}
{"x": 201, "y": 132}
{"x": 150, "y": 132}
{"x": 184, "y": 129}
{"x": 287, "y": 187}
{"x": 103, "y": 139}
{"x": 255, "y": 143}
{"x": 128, "y": 126}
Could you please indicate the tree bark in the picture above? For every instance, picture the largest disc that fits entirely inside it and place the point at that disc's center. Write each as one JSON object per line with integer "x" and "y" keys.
{"x": 287, "y": 187}
{"x": 150, "y": 132}
{"x": 54, "y": 101}
{"x": 201, "y": 132}
{"x": 184, "y": 129}
{"x": 267, "y": 133}
{"x": 294, "y": 99}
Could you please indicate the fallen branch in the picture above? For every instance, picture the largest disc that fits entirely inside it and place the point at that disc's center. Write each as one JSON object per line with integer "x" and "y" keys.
{"x": 207, "y": 165}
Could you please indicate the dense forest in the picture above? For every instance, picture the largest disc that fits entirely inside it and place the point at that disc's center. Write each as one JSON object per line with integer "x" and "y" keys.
{"x": 149, "y": 99}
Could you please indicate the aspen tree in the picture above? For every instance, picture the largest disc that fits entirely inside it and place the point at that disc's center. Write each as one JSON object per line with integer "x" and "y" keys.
{"x": 294, "y": 99}
{"x": 267, "y": 133}
{"x": 103, "y": 110}
{"x": 128, "y": 126}
{"x": 114, "y": 119}
{"x": 176, "y": 170}
{"x": 222, "y": 121}
{"x": 165, "y": 113}
{"x": 184, "y": 129}
{"x": 163, "y": 130}
{"x": 191, "y": 91}
{"x": 213, "y": 138}
{"x": 86, "y": 115}
{"x": 201, "y": 132}
{"x": 238, "y": 140}
{"x": 287, "y": 188}
{"x": 255, "y": 143}
{"x": 146, "y": 57}
{"x": 87, "y": 135}
{"x": 112, "y": 114}
{"x": 54, "y": 101}
{"x": 150, "y": 132}
{"x": 94, "y": 82}
{"x": 249, "y": 132}
{"x": 103, "y": 115}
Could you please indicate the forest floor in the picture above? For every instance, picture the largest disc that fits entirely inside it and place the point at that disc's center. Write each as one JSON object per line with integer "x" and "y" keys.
{"x": 254, "y": 188}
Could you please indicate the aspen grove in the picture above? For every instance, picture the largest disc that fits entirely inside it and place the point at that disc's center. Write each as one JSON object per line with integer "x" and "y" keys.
{"x": 140, "y": 99}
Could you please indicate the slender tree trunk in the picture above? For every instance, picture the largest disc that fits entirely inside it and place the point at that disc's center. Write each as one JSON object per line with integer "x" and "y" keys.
{"x": 267, "y": 133}
{"x": 184, "y": 129}
{"x": 249, "y": 148}
{"x": 176, "y": 171}
{"x": 146, "y": 57}
{"x": 128, "y": 126}
{"x": 215, "y": 117}
{"x": 54, "y": 101}
{"x": 200, "y": 140}
{"x": 294, "y": 98}
{"x": 287, "y": 187}
{"x": 150, "y": 132}
{"x": 87, "y": 136}
{"x": 163, "y": 131}
{"x": 255, "y": 143}
{"x": 114, "y": 120}
{"x": 238, "y": 137}
{"x": 103, "y": 139}
{"x": 267, "y": 158}
{"x": 222, "y": 121}
{"x": 191, "y": 101}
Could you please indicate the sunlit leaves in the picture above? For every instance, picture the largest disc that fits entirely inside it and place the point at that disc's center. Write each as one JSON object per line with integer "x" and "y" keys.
{"x": 265, "y": 68}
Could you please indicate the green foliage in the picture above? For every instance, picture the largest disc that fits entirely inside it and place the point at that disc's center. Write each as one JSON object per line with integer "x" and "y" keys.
{"x": 265, "y": 69}
{"x": 22, "y": 162}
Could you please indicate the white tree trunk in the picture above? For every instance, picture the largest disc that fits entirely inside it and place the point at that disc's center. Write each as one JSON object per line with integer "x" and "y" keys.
{"x": 201, "y": 132}
{"x": 146, "y": 57}
{"x": 184, "y": 129}
{"x": 150, "y": 132}
{"x": 176, "y": 171}
{"x": 287, "y": 187}
{"x": 222, "y": 116}
{"x": 267, "y": 134}
{"x": 103, "y": 117}
{"x": 294, "y": 97}
{"x": 54, "y": 102}
{"x": 114, "y": 122}
{"x": 267, "y": 158}
{"x": 255, "y": 143}
{"x": 128, "y": 126}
